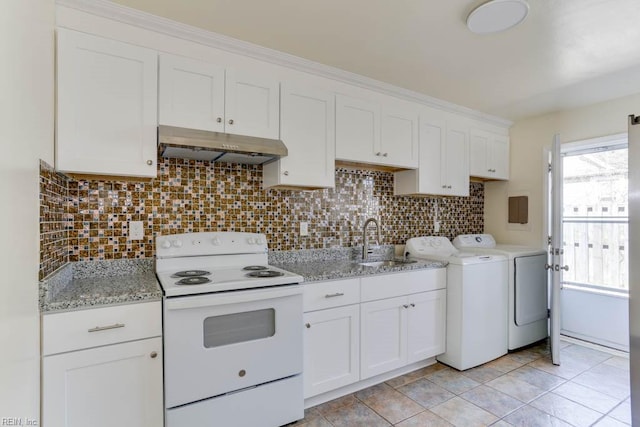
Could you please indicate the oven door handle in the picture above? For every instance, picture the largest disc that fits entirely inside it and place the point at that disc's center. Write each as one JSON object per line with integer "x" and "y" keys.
{"x": 237, "y": 297}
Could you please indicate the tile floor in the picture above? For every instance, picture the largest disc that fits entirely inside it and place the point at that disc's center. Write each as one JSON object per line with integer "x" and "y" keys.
{"x": 524, "y": 388}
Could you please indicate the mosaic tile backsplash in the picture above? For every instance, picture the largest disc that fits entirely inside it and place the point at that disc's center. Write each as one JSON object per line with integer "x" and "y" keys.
{"x": 83, "y": 220}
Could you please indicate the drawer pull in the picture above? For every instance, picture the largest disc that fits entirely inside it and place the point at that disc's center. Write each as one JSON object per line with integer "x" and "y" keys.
{"x": 307, "y": 325}
{"x": 154, "y": 354}
{"x": 105, "y": 328}
{"x": 337, "y": 294}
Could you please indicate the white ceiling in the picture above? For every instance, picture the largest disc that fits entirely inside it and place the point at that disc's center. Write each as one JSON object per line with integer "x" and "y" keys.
{"x": 567, "y": 53}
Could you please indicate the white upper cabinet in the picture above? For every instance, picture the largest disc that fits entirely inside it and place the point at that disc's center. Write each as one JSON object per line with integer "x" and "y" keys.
{"x": 443, "y": 167}
{"x": 399, "y": 140}
{"x": 201, "y": 95}
{"x": 106, "y": 106}
{"x": 378, "y": 131}
{"x": 191, "y": 94}
{"x": 307, "y": 128}
{"x": 489, "y": 155}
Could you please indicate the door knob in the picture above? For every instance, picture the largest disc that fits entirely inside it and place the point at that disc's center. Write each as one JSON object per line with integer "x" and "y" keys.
{"x": 230, "y": 121}
{"x": 219, "y": 120}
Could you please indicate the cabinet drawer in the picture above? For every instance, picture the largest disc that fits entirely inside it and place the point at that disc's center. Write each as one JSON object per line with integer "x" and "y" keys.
{"x": 318, "y": 296}
{"x": 403, "y": 283}
{"x": 76, "y": 330}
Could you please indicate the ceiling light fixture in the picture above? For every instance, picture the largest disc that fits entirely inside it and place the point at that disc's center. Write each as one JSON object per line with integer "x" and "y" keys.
{"x": 495, "y": 16}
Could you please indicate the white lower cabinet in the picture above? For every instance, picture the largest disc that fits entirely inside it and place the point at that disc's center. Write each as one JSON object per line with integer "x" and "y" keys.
{"x": 403, "y": 330}
{"x": 115, "y": 385}
{"x": 384, "y": 336}
{"x": 400, "y": 319}
{"x": 331, "y": 349}
{"x": 102, "y": 367}
{"x": 426, "y": 326}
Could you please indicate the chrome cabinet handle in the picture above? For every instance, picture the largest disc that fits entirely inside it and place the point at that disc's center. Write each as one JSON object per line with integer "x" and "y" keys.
{"x": 149, "y": 162}
{"x": 385, "y": 154}
{"x": 219, "y": 120}
{"x": 337, "y": 294}
{"x": 405, "y": 305}
{"x": 378, "y": 154}
{"x": 412, "y": 305}
{"x": 106, "y": 328}
{"x": 154, "y": 354}
{"x": 285, "y": 173}
{"x": 448, "y": 186}
{"x": 444, "y": 186}
{"x": 230, "y": 121}
{"x": 307, "y": 325}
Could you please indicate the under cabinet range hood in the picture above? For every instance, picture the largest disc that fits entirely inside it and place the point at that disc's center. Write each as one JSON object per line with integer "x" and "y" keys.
{"x": 195, "y": 144}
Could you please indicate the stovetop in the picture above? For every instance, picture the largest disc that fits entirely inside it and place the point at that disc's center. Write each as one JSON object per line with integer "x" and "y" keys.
{"x": 197, "y": 263}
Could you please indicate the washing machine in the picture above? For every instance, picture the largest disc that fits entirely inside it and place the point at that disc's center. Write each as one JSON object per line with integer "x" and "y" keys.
{"x": 476, "y": 301}
{"x": 528, "y": 287}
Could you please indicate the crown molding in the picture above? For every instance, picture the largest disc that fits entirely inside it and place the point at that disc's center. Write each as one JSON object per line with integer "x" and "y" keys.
{"x": 127, "y": 15}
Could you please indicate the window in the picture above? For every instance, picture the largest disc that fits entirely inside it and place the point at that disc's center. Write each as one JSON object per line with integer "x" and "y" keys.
{"x": 595, "y": 221}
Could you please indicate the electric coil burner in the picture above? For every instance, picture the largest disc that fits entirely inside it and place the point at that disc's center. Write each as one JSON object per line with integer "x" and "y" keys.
{"x": 195, "y": 280}
{"x": 192, "y": 273}
{"x": 232, "y": 332}
{"x": 265, "y": 273}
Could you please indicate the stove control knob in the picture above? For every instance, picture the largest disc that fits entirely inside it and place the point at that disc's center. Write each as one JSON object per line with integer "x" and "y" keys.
{"x": 216, "y": 241}
{"x": 176, "y": 243}
{"x": 165, "y": 244}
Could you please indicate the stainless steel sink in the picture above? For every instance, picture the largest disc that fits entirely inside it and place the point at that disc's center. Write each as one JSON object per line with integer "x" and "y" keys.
{"x": 388, "y": 263}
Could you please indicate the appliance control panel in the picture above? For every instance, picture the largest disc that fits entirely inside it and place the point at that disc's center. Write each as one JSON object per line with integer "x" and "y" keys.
{"x": 210, "y": 243}
{"x": 474, "y": 241}
{"x": 434, "y": 245}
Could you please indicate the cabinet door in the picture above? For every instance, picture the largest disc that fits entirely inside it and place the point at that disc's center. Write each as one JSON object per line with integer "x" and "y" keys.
{"x": 191, "y": 94}
{"x": 499, "y": 156}
{"x": 478, "y": 146}
{"x": 426, "y": 325}
{"x": 357, "y": 129}
{"x": 456, "y": 164}
{"x": 107, "y": 106}
{"x": 331, "y": 349}
{"x": 307, "y": 128}
{"x": 432, "y": 155}
{"x": 115, "y": 385}
{"x": 384, "y": 336}
{"x": 399, "y": 138}
{"x": 252, "y": 105}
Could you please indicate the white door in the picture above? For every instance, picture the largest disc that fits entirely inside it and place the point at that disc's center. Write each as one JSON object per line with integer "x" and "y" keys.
{"x": 107, "y": 106}
{"x": 432, "y": 153}
{"x": 308, "y": 131}
{"x": 426, "y": 325}
{"x": 252, "y": 105}
{"x": 456, "y": 169}
{"x": 384, "y": 336}
{"x": 114, "y": 385}
{"x": 357, "y": 129}
{"x": 399, "y": 139}
{"x": 190, "y": 94}
{"x": 555, "y": 249}
{"x": 331, "y": 349}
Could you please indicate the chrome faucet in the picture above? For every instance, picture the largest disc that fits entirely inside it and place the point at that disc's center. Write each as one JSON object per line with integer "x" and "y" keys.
{"x": 365, "y": 244}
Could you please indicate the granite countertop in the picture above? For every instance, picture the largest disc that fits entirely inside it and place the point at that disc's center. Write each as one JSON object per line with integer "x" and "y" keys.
{"x": 330, "y": 264}
{"x": 87, "y": 284}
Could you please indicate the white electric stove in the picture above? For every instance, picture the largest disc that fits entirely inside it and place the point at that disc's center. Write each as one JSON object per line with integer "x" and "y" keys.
{"x": 232, "y": 332}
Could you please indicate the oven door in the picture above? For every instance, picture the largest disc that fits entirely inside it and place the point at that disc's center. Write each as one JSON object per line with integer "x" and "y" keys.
{"x": 219, "y": 343}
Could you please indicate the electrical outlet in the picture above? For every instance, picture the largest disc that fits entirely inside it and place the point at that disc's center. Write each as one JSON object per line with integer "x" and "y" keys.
{"x": 304, "y": 228}
{"x": 136, "y": 230}
{"x": 436, "y": 226}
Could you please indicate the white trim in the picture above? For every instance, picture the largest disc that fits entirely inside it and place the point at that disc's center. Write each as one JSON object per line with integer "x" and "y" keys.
{"x": 601, "y": 141}
{"x": 116, "y": 12}
{"x": 594, "y": 346}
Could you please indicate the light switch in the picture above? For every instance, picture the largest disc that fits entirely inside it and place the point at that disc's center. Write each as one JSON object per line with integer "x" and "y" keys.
{"x": 304, "y": 228}
{"x": 136, "y": 230}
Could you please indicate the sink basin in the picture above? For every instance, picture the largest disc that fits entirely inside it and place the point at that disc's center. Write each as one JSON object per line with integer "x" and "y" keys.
{"x": 388, "y": 263}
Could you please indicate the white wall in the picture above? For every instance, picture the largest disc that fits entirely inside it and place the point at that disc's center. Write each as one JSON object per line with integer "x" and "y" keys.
{"x": 528, "y": 139}
{"x": 26, "y": 134}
